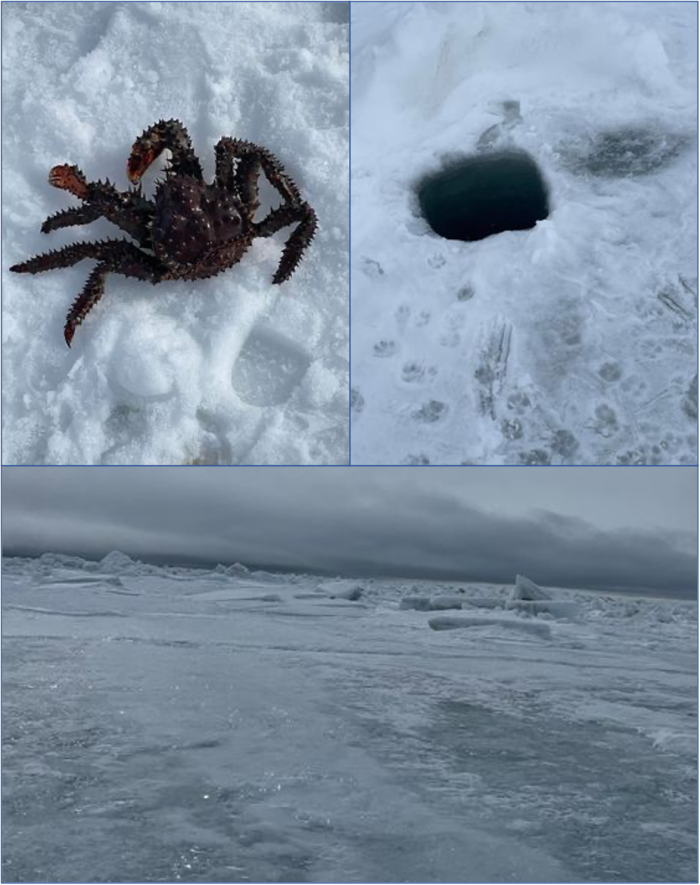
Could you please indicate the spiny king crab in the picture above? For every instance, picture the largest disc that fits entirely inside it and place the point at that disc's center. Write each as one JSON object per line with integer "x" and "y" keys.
{"x": 190, "y": 230}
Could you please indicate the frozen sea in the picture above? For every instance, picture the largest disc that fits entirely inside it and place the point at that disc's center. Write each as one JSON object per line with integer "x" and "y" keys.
{"x": 170, "y": 724}
{"x": 231, "y": 370}
{"x": 574, "y": 342}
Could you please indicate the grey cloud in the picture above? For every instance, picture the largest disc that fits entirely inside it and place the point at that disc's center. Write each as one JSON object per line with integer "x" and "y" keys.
{"x": 446, "y": 523}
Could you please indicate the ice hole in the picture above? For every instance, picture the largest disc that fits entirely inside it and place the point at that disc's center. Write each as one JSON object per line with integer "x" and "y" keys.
{"x": 484, "y": 195}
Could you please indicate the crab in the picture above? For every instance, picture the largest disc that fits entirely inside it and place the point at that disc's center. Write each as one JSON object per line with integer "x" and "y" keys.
{"x": 191, "y": 230}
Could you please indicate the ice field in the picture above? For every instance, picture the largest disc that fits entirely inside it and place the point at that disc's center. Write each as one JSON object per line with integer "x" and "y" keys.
{"x": 170, "y": 724}
{"x": 230, "y": 370}
{"x": 573, "y": 342}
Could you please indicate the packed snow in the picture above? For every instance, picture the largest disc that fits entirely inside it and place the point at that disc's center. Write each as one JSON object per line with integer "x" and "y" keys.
{"x": 168, "y": 724}
{"x": 572, "y": 342}
{"x": 231, "y": 370}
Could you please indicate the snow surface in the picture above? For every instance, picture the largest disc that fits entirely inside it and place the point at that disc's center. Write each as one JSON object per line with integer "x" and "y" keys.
{"x": 231, "y": 726}
{"x": 573, "y": 342}
{"x": 228, "y": 370}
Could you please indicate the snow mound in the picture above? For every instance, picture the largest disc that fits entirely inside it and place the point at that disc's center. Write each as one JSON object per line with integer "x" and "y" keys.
{"x": 455, "y": 622}
{"x": 229, "y": 370}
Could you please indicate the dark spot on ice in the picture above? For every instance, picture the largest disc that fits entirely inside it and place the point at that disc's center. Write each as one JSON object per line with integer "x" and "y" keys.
{"x": 480, "y": 196}
{"x": 628, "y": 152}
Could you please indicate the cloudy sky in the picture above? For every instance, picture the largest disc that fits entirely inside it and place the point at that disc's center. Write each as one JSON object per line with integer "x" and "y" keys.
{"x": 597, "y": 527}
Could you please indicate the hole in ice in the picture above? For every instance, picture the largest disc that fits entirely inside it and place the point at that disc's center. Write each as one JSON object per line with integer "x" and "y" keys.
{"x": 477, "y": 197}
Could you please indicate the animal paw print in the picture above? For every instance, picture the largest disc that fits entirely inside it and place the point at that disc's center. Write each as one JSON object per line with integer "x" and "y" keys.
{"x": 357, "y": 401}
{"x": 413, "y": 372}
{"x": 518, "y": 402}
{"x": 371, "y": 268}
{"x": 512, "y": 429}
{"x": 403, "y": 312}
{"x": 610, "y": 372}
{"x": 417, "y": 460}
{"x": 385, "y": 348}
{"x": 606, "y": 421}
{"x": 430, "y": 412}
{"x": 466, "y": 293}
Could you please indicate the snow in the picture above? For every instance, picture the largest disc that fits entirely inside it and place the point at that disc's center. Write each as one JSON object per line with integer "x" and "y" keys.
{"x": 245, "y": 727}
{"x": 573, "y": 342}
{"x": 231, "y": 370}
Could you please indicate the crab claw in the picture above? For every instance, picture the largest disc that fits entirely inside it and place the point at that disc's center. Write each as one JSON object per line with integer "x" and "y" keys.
{"x": 69, "y": 178}
{"x": 138, "y": 162}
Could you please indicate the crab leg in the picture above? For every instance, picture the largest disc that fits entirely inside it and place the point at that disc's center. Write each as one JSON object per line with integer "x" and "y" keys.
{"x": 88, "y": 298}
{"x": 129, "y": 211}
{"x": 70, "y": 217}
{"x": 120, "y": 255}
{"x": 230, "y": 149}
{"x": 165, "y": 135}
{"x": 298, "y": 241}
{"x": 296, "y": 244}
{"x": 246, "y": 183}
{"x": 251, "y": 157}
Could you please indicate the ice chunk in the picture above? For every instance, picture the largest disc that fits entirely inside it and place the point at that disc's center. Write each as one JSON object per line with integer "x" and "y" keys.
{"x": 478, "y": 602}
{"x": 556, "y": 608}
{"x": 527, "y": 589}
{"x": 116, "y": 561}
{"x": 342, "y": 589}
{"x": 417, "y": 603}
{"x": 446, "y": 601}
{"x": 455, "y": 622}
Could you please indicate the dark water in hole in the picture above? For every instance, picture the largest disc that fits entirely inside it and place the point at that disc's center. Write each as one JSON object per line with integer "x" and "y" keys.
{"x": 485, "y": 195}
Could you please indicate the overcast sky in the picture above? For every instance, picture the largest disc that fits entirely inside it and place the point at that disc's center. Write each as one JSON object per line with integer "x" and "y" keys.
{"x": 597, "y": 527}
